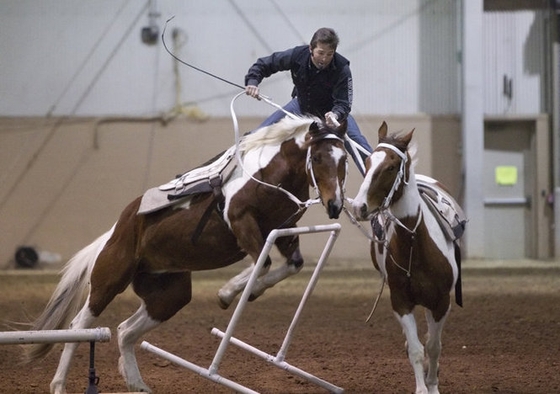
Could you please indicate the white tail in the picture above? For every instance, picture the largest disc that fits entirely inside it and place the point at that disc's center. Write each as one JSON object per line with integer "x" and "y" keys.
{"x": 68, "y": 296}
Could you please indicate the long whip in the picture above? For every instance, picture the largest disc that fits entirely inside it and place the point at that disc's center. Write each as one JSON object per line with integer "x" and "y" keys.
{"x": 190, "y": 65}
{"x": 261, "y": 97}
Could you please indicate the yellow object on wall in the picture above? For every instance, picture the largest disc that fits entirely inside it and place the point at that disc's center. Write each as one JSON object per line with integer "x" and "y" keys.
{"x": 506, "y": 175}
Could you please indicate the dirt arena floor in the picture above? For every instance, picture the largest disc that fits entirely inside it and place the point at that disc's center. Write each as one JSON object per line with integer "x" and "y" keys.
{"x": 506, "y": 339}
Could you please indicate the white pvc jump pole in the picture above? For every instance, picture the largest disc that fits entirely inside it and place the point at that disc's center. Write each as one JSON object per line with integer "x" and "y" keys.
{"x": 91, "y": 335}
{"x": 212, "y": 372}
{"x": 279, "y": 359}
{"x": 100, "y": 334}
{"x": 197, "y": 369}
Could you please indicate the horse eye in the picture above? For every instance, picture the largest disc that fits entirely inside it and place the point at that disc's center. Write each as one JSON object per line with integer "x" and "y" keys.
{"x": 391, "y": 168}
{"x": 316, "y": 158}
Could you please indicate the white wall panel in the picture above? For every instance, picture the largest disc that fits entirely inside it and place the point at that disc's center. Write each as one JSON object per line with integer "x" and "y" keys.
{"x": 402, "y": 53}
{"x": 514, "y": 47}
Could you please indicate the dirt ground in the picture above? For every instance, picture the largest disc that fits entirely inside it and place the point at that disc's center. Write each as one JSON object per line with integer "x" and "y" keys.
{"x": 506, "y": 339}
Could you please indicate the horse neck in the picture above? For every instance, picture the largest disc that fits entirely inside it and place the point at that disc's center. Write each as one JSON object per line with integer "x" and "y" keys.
{"x": 296, "y": 175}
{"x": 290, "y": 173}
{"x": 409, "y": 202}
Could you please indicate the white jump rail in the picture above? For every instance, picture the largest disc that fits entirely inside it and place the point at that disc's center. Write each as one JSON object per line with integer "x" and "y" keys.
{"x": 100, "y": 334}
{"x": 227, "y": 337}
{"x": 91, "y": 335}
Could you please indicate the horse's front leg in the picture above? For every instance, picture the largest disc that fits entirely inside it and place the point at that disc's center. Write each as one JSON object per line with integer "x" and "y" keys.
{"x": 433, "y": 350}
{"x": 289, "y": 248}
{"x": 415, "y": 349}
{"x": 235, "y": 285}
{"x": 250, "y": 239}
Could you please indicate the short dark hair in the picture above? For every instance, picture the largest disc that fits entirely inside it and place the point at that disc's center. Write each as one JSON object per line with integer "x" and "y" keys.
{"x": 325, "y": 35}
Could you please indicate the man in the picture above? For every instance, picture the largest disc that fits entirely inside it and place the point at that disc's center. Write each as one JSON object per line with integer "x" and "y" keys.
{"x": 322, "y": 84}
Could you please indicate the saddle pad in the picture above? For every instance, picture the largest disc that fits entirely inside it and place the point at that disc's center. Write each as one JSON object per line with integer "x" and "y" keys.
{"x": 446, "y": 210}
{"x": 198, "y": 180}
{"x": 154, "y": 200}
{"x": 205, "y": 172}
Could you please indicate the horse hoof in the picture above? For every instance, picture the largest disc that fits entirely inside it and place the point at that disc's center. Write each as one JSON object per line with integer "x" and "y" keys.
{"x": 139, "y": 387}
{"x": 222, "y": 303}
{"x": 253, "y": 297}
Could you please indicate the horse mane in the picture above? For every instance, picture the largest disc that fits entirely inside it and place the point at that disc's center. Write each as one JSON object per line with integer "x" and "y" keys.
{"x": 276, "y": 133}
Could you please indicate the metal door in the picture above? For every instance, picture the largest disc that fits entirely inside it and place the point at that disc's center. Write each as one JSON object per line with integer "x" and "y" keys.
{"x": 507, "y": 199}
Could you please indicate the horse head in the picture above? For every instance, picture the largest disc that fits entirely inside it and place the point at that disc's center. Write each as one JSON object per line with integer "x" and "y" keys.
{"x": 327, "y": 165}
{"x": 387, "y": 172}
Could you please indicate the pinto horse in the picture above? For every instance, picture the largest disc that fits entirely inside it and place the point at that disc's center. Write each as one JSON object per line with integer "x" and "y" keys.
{"x": 410, "y": 249}
{"x": 156, "y": 252}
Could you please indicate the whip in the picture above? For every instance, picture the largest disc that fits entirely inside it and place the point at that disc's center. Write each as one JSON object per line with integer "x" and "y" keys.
{"x": 260, "y": 97}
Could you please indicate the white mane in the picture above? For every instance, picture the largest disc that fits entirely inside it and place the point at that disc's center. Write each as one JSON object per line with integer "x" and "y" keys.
{"x": 276, "y": 133}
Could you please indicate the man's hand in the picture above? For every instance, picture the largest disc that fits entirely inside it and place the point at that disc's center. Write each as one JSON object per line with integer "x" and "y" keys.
{"x": 252, "y": 91}
{"x": 332, "y": 119}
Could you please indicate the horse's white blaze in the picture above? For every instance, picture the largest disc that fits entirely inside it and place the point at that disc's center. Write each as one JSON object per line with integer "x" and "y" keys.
{"x": 338, "y": 154}
{"x": 361, "y": 198}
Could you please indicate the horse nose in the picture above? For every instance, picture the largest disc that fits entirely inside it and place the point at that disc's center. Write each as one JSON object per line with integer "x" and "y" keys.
{"x": 361, "y": 211}
{"x": 333, "y": 209}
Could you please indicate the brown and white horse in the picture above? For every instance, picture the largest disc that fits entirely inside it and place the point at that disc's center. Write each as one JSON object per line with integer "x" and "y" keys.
{"x": 410, "y": 249}
{"x": 156, "y": 252}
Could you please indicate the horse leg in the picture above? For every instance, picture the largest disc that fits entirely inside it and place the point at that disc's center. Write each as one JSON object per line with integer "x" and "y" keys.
{"x": 163, "y": 296}
{"x": 250, "y": 239}
{"x": 433, "y": 350}
{"x": 414, "y": 349}
{"x": 110, "y": 276}
{"x": 128, "y": 333}
{"x": 289, "y": 248}
{"x": 235, "y": 285}
{"x": 84, "y": 319}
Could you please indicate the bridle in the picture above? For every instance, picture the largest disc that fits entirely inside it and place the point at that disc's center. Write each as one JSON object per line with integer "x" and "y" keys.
{"x": 309, "y": 165}
{"x": 388, "y": 217}
{"x": 384, "y": 208}
{"x": 302, "y": 205}
{"x": 400, "y": 175}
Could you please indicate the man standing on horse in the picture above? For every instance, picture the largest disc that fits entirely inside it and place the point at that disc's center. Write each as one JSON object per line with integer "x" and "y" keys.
{"x": 322, "y": 84}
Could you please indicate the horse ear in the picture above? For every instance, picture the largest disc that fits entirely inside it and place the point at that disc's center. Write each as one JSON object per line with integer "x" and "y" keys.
{"x": 406, "y": 139}
{"x": 313, "y": 129}
{"x": 382, "y": 132}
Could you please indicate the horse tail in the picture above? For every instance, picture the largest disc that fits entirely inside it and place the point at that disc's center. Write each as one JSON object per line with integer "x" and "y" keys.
{"x": 69, "y": 295}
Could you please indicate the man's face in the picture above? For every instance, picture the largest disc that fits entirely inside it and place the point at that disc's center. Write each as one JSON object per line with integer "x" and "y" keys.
{"x": 322, "y": 55}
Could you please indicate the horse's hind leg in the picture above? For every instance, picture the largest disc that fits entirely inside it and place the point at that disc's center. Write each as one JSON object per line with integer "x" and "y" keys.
{"x": 106, "y": 281}
{"x": 84, "y": 319}
{"x": 433, "y": 350}
{"x": 163, "y": 296}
